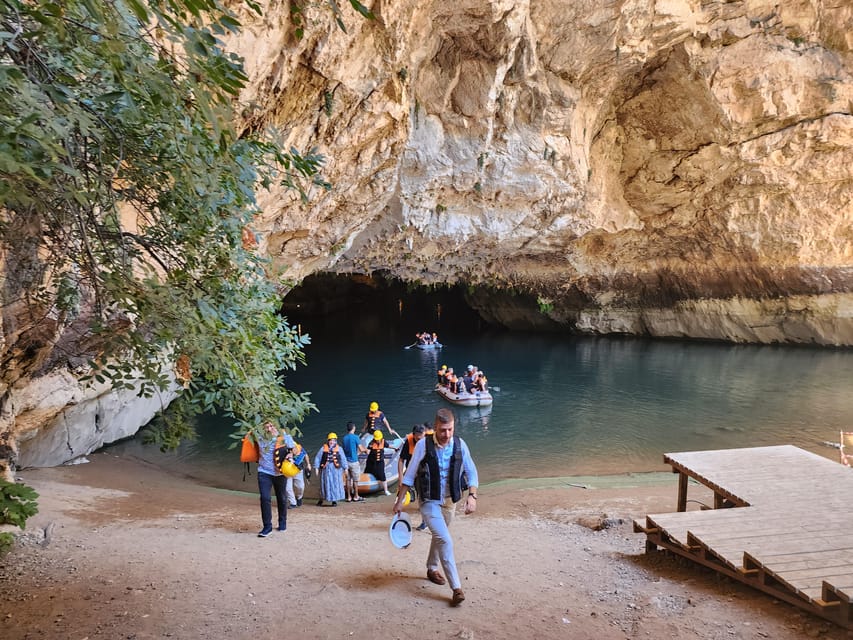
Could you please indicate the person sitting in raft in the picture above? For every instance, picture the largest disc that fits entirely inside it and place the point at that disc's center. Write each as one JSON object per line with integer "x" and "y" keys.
{"x": 480, "y": 381}
{"x": 440, "y": 374}
{"x": 375, "y": 464}
{"x": 448, "y": 377}
{"x": 468, "y": 379}
{"x": 331, "y": 467}
{"x": 456, "y": 385}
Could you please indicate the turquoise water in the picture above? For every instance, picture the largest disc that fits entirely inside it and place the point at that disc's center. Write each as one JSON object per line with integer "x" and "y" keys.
{"x": 563, "y": 405}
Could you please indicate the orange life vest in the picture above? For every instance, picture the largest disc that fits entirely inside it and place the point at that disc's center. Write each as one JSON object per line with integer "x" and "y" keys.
{"x": 377, "y": 447}
{"x": 410, "y": 440}
{"x": 333, "y": 454}
{"x": 249, "y": 450}
{"x": 372, "y": 417}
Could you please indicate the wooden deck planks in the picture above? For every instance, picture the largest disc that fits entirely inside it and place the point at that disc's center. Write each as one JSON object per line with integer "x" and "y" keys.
{"x": 794, "y": 539}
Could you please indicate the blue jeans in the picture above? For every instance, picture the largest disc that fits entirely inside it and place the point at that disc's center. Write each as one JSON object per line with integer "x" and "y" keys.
{"x": 266, "y": 483}
{"x": 438, "y": 516}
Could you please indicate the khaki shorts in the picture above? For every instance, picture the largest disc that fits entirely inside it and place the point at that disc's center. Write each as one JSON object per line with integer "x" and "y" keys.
{"x": 354, "y": 470}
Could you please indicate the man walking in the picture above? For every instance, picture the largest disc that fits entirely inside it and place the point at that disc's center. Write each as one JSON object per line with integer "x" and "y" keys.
{"x": 441, "y": 468}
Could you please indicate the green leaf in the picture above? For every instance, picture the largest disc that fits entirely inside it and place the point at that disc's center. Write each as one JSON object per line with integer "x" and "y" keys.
{"x": 364, "y": 11}
{"x": 138, "y": 10}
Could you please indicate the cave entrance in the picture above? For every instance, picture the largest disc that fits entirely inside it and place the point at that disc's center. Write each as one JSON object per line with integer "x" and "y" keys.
{"x": 361, "y": 306}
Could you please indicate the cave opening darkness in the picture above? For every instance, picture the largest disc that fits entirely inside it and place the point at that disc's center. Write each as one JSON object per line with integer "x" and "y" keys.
{"x": 361, "y": 305}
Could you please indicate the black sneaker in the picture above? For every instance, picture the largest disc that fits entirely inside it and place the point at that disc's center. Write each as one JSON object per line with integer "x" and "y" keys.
{"x": 284, "y": 528}
{"x": 299, "y": 502}
{"x": 319, "y": 503}
{"x": 421, "y": 526}
{"x": 263, "y": 533}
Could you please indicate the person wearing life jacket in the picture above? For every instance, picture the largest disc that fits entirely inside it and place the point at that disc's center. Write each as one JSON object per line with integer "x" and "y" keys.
{"x": 448, "y": 376}
{"x": 296, "y": 484}
{"x": 442, "y": 469}
{"x": 408, "y": 448}
{"x": 406, "y": 452}
{"x": 375, "y": 420}
{"x": 331, "y": 467}
{"x": 271, "y": 479}
{"x": 375, "y": 464}
{"x": 479, "y": 381}
{"x": 440, "y": 374}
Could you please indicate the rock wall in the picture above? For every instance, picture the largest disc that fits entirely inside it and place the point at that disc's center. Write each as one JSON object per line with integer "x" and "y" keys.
{"x": 55, "y": 418}
{"x": 670, "y": 168}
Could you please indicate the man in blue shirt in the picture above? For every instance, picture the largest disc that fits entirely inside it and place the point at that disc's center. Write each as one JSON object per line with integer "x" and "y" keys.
{"x": 270, "y": 478}
{"x": 352, "y": 446}
{"x": 441, "y": 468}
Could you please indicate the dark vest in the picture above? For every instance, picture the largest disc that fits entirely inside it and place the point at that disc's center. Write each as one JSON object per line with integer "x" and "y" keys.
{"x": 429, "y": 476}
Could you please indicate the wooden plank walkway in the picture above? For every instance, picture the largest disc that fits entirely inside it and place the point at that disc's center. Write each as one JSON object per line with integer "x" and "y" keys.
{"x": 782, "y": 523}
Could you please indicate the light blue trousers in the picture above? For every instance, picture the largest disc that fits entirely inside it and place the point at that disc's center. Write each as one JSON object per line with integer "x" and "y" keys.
{"x": 438, "y": 516}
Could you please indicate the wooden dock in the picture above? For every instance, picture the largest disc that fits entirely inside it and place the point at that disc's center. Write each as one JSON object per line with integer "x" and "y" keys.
{"x": 782, "y": 522}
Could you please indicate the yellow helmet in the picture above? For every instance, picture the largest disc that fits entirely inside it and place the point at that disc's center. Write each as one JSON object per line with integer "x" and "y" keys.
{"x": 332, "y": 436}
{"x": 377, "y": 435}
{"x": 374, "y": 406}
{"x": 289, "y": 469}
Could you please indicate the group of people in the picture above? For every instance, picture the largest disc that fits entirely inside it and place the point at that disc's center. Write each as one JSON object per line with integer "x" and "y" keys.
{"x": 427, "y": 338}
{"x": 433, "y": 462}
{"x": 337, "y": 464}
{"x": 471, "y": 381}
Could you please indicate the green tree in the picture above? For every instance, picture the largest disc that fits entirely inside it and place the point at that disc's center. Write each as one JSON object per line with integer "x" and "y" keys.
{"x": 126, "y": 200}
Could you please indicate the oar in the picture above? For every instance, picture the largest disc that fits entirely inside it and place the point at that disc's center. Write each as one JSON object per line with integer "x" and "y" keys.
{"x": 411, "y": 345}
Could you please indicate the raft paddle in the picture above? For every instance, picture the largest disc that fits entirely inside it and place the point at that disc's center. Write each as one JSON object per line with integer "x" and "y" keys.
{"x": 411, "y": 345}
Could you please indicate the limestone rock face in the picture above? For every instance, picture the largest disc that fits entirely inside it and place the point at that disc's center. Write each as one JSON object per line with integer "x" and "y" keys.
{"x": 57, "y": 419}
{"x": 670, "y": 168}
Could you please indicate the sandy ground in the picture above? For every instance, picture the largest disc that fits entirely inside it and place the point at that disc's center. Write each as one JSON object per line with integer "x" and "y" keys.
{"x": 120, "y": 549}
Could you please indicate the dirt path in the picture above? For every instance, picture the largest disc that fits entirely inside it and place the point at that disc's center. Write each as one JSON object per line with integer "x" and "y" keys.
{"x": 122, "y": 550}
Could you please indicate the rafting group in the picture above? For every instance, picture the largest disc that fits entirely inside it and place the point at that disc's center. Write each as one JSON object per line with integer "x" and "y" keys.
{"x": 471, "y": 390}
{"x": 426, "y": 341}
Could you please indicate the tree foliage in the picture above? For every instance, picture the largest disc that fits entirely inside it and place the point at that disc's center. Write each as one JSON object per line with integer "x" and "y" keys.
{"x": 17, "y": 503}
{"x": 127, "y": 197}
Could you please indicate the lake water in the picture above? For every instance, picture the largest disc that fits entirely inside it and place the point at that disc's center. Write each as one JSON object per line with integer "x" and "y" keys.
{"x": 563, "y": 405}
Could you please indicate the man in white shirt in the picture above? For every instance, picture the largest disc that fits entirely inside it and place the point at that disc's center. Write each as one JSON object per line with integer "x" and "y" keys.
{"x": 441, "y": 468}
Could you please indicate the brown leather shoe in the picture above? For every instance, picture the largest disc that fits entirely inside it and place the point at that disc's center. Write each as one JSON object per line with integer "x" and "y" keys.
{"x": 435, "y": 577}
{"x": 457, "y": 598}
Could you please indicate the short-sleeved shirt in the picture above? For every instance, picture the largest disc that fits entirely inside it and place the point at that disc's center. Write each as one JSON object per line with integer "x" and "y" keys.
{"x": 350, "y": 446}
